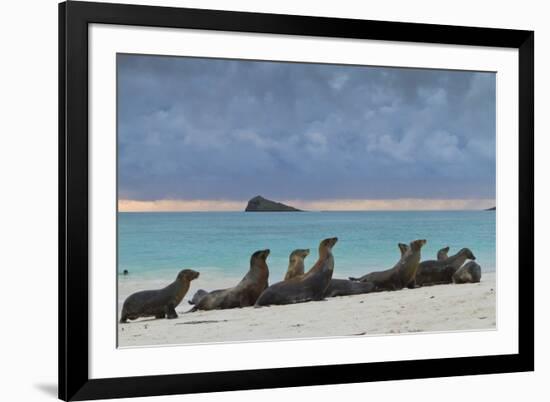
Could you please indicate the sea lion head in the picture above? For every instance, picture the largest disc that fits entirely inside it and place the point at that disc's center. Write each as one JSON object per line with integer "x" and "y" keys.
{"x": 258, "y": 260}
{"x": 468, "y": 253}
{"x": 187, "y": 274}
{"x": 328, "y": 244}
{"x": 403, "y": 248}
{"x": 443, "y": 253}
{"x": 259, "y": 256}
{"x": 416, "y": 245}
{"x": 301, "y": 253}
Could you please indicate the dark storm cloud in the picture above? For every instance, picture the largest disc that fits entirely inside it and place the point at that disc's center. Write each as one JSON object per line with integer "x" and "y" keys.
{"x": 222, "y": 129}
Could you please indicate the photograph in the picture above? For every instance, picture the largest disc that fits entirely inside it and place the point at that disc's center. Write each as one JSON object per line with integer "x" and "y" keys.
{"x": 263, "y": 200}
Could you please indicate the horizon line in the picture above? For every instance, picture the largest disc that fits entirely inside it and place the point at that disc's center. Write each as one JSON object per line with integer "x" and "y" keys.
{"x": 335, "y": 205}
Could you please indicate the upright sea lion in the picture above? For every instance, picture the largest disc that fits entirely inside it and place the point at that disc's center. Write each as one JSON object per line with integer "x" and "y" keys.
{"x": 401, "y": 274}
{"x": 346, "y": 287}
{"x": 158, "y": 303}
{"x": 310, "y": 286}
{"x": 296, "y": 263}
{"x": 468, "y": 273}
{"x": 199, "y": 294}
{"x": 443, "y": 254}
{"x": 433, "y": 272}
{"x": 336, "y": 287}
{"x": 245, "y": 293}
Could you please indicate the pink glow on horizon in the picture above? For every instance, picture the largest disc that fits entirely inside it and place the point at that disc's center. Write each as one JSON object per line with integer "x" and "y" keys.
{"x": 404, "y": 204}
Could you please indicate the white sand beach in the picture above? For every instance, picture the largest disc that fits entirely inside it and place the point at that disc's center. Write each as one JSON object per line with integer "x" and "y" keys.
{"x": 434, "y": 308}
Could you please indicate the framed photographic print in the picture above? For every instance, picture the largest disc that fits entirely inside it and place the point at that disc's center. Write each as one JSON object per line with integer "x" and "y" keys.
{"x": 257, "y": 201}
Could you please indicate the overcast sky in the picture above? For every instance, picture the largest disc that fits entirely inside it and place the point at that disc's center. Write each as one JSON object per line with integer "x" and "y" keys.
{"x": 209, "y": 129}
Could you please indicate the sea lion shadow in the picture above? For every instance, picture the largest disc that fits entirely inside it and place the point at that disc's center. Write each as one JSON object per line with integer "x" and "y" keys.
{"x": 195, "y": 322}
{"x": 141, "y": 321}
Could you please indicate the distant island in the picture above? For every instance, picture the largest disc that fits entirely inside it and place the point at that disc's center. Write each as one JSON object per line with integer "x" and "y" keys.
{"x": 491, "y": 209}
{"x": 261, "y": 204}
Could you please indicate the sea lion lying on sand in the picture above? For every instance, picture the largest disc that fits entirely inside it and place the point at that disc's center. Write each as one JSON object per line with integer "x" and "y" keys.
{"x": 433, "y": 272}
{"x": 401, "y": 274}
{"x": 199, "y": 294}
{"x": 296, "y": 263}
{"x": 346, "y": 287}
{"x": 245, "y": 293}
{"x": 443, "y": 254}
{"x": 310, "y": 286}
{"x": 468, "y": 273}
{"x": 158, "y": 303}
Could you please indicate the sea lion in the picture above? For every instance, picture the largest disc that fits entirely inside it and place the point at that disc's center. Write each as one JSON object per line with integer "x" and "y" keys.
{"x": 468, "y": 273}
{"x": 310, "y": 286}
{"x": 401, "y": 274}
{"x": 245, "y": 293}
{"x": 199, "y": 294}
{"x": 345, "y": 287}
{"x": 158, "y": 303}
{"x": 433, "y": 272}
{"x": 296, "y": 263}
{"x": 443, "y": 254}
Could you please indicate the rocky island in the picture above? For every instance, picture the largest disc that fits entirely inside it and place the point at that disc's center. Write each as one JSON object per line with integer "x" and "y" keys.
{"x": 261, "y": 204}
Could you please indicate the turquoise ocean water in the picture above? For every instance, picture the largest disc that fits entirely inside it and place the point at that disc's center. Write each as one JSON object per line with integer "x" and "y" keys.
{"x": 219, "y": 244}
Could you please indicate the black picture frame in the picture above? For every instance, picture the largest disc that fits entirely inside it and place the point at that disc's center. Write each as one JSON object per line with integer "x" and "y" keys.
{"x": 74, "y": 18}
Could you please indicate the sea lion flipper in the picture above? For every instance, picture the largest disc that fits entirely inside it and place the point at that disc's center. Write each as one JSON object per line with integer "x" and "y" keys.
{"x": 171, "y": 312}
